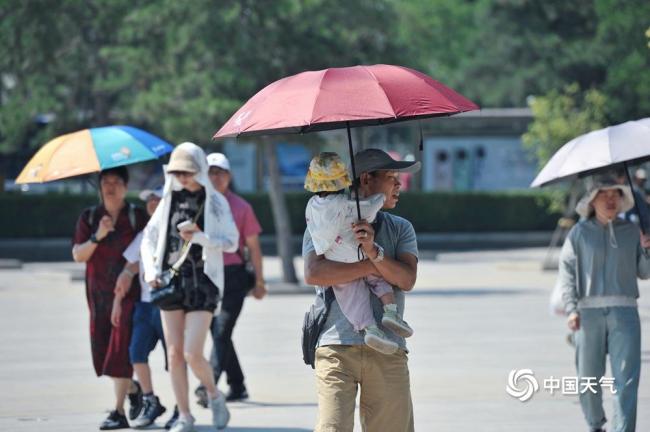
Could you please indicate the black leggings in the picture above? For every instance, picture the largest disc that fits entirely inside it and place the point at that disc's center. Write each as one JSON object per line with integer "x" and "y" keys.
{"x": 224, "y": 357}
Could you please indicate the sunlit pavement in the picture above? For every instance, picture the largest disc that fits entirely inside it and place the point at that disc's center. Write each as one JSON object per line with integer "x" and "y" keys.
{"x": 476, "y": 315}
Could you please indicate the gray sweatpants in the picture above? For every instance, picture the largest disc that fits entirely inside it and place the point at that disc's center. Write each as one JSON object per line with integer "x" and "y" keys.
{"x": 615, "y": 331}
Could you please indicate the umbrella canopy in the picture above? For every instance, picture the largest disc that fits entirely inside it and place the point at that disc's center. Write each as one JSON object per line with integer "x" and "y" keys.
{"x": 92, "y": 150}
{"x": 628, "y": 142}
{"x": 337, "y": 98}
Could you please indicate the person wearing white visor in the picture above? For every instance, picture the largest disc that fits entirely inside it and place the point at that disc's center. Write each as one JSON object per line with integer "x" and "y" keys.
{"x": 239, "y": 282}
{"x": 600, "y": 262}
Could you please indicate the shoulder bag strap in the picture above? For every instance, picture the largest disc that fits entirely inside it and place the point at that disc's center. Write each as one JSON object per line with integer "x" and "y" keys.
{"x": 185, "y": 250}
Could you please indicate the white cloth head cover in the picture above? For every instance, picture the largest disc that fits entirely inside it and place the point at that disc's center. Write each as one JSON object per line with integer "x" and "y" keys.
{"x": 598, "y": 183}
{"x": 219, "y": 232}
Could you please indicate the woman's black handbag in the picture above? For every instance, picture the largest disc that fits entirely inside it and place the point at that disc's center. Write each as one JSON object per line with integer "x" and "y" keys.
{"x": 313, "y": 323}
{"x": 169, "y": 293}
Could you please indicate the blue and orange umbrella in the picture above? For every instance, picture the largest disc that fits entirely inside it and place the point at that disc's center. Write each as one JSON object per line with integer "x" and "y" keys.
{"x": 92, "y": 150}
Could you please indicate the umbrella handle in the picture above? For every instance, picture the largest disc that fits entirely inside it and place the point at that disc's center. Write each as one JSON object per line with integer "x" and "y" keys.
{"x": 355, "y": 185}
{"x": 634, "y": 198}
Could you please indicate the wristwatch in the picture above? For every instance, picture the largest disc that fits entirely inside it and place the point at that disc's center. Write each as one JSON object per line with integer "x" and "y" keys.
{"x": 94, "y": 239}
{"x": 380, "y": 254}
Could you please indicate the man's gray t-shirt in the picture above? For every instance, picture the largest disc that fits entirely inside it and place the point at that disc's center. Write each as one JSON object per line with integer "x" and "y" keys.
{"x": 397, "y": 236}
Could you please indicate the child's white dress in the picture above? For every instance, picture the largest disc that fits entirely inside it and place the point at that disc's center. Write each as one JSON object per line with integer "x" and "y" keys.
{"x": 329, "y": 221}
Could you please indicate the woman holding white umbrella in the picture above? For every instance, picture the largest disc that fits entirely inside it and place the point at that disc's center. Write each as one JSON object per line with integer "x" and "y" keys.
{"x": 599, "y": 265}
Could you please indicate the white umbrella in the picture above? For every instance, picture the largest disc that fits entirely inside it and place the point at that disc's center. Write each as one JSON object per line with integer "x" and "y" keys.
{"x": 623, "y": 143}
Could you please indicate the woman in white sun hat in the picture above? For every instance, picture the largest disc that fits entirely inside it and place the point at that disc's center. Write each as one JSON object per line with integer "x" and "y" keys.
{"x": 600, "y": 262}
{"x": 190, "y": 230}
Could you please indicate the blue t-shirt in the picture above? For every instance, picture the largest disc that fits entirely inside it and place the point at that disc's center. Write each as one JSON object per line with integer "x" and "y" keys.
{"x": 397, "y": 236}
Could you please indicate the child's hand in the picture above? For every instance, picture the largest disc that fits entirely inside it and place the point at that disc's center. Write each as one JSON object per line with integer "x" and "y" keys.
{"x": 116, "y": 312}
{"x": 123, "y": 284}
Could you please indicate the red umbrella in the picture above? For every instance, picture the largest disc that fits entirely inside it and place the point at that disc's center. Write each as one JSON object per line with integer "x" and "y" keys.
{"x": 338, "y": 98}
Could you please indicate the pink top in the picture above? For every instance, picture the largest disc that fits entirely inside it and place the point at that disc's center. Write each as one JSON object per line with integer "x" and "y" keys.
{"x": 246, "y": 222}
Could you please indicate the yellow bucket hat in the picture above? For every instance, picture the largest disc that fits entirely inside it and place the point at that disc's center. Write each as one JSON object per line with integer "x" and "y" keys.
{"x": 327, "y": 173}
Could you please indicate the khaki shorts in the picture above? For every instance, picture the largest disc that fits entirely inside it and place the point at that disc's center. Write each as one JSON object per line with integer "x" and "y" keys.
{"x": 385, "y": 400}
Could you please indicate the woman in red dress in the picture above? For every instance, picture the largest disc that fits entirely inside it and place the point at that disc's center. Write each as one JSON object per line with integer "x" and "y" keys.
{"x": 102, "y": 234}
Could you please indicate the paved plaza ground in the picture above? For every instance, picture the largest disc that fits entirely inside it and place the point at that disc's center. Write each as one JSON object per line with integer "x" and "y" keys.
{"x": 476, "y": 315}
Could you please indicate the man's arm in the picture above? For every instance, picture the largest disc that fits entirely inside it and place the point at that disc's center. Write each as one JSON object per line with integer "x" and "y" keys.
{"x": 401, "y": 272}
{"x": 323, "y": 272}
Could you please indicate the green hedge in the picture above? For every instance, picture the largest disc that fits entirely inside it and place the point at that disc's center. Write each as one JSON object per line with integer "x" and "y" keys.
{"x": 54, "y": 215}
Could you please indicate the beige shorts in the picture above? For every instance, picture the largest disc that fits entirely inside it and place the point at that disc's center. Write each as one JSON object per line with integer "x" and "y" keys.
{"x": 385, "y": 400}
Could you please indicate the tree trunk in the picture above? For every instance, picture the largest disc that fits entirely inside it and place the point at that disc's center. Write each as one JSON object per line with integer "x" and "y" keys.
{"x": 280, "y": 214}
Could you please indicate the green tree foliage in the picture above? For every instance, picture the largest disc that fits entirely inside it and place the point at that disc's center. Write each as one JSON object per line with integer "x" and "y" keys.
{"x": 181, "y": 68}
{"x": 177, "y": 68}
{"x": 562, "y": 116}
{"x": 623, "y": 44}
{"x": 51, "y": 62}
{"x": 499, "y": 52}
{"x": 528, "y": 47}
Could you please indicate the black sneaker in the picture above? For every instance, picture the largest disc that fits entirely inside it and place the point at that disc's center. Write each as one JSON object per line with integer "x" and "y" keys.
{"x": 114, "y": 421}
{"x": 237, "y": 394}
{"x": 135, "y": 402}
{"x": 202, "y": 395}
{"x": 172, "y": 419}
{"x": 151, "y": 410}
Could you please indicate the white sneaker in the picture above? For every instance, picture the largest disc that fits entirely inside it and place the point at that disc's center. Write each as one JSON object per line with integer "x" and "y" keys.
{"x": 392, "y": 321}
{"x": 183, "y": 424}
{"x": 376, "y": 339}
{"x": 220, "y": 413}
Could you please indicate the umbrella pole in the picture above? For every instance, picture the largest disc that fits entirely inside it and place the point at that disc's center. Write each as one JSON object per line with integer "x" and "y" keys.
{"x": 355, "y": 185}
{"x": 636, "y": 204}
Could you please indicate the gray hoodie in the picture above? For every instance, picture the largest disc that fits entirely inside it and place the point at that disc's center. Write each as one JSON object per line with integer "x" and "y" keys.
{"x": 600, "y": 262}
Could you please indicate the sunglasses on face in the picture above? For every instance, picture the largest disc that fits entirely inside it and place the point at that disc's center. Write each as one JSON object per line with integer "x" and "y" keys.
{"x": 184, "y": 174}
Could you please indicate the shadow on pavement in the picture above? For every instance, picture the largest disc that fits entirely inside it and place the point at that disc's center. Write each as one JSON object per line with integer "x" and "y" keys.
{"x": 253, "y": 404}
{"x": 468, "y": 292}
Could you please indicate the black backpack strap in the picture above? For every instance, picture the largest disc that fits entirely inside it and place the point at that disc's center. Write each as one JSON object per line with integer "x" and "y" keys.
{"x": 328, "y": 296}
{"x": 91, "y": 216}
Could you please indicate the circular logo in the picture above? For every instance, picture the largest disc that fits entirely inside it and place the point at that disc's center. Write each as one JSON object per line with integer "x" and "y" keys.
{"x": 522, "y": 384}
